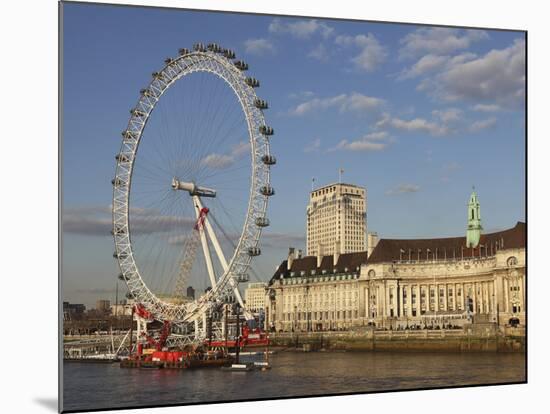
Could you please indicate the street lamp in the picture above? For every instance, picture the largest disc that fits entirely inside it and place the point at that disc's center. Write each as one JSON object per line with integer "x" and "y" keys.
{"x": 334, "y": 309}
{"x": 294, "y": 320}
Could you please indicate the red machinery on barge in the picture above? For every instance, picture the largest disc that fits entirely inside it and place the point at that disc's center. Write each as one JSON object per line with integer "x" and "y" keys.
{"x": 249, "y": 338}
{"x": 210, "y": 353}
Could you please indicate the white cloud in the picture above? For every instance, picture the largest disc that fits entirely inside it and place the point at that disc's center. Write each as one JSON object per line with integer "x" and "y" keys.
{"x": 493, "y": 81}
{"x": 97, "y": 221}
{"x": 301, "y": 29}
{"x": 240, "y": 149}
{"x": 301, "y": 95}
{"x": 221, "y": 161}
{"x": 443, "y": 122}
{"x": 430, "y": 63}
{"x": 483, "y": 124}
{"x": 259, "y": 47}
{"x": 218, "y": 161}
{"x": 426, "y": 64}
{"x": 371, "y": 55}
{"x": 354, "y": 102}
{"x": 414, "y": 125}
{"x": 270, "y": 239}
{"x": 497, "y": 78}
{"x": 320, "y": 53}
{"x": 375, "y": 141}
{"x": 451, "y": 166}
{"x": 438, "y": 41}
{"x": 403, "y": 189}
{"x": 313, "y": 146}
{"x": 486, "y": 108}
{"x": 448, "y": 115}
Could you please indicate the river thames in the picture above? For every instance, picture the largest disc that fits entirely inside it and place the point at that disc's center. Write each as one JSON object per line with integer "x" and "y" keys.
{"x": 94, "y": 386}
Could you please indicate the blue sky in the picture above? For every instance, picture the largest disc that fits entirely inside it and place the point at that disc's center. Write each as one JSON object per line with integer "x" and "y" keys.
{"x": 417, "y": 115}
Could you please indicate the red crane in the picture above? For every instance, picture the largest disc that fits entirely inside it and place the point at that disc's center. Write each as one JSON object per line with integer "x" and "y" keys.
{"x": 159, "y": 343}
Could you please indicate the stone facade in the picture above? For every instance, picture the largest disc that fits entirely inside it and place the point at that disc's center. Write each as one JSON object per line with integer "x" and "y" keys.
{"x": 255, "y": 296}
{"x": 426, "y": 282}
{"x": 444, "y": 291}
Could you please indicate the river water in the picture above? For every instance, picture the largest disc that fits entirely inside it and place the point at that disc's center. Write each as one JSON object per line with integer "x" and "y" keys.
{"x": 91, "y": 385}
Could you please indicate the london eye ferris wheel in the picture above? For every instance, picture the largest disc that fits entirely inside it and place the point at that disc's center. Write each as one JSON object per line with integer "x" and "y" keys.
{"x": 192, "y": 184}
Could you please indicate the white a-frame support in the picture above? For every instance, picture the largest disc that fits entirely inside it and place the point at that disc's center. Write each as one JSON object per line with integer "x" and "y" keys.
{"x": 208, "y": 227}
{"x": 200, "y": 228}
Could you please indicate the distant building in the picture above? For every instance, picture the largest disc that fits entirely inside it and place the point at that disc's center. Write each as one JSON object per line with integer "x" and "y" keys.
{"x": 255, "y": 295}
{"x": 103, "y": 305}
{"x": 72, "y": 310}
{"x": 123, "y": 308}
{"x": 190, "y": 292}
{"x": 404, "y": 282}
{"x": 336, "y": 220}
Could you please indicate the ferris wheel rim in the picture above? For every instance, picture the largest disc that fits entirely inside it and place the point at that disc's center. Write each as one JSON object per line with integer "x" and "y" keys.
{"x": 173, "y": 71}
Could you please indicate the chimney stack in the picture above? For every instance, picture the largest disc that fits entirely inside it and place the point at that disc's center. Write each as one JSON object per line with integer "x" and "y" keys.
{"x": 299, "y": 253}
{"x": 290, "y": 259}
{"x": 372, "y": 241}
{"x": 336, "y": 253}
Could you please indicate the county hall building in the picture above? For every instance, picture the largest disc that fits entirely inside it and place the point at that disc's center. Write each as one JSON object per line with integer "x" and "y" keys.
{"x": 399, "y": 283}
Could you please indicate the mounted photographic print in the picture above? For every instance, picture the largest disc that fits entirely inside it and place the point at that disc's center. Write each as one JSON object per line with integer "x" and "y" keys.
{"x": 258, "y": 207}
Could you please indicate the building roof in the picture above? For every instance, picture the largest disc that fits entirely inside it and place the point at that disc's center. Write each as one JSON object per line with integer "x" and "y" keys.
{"x": 347, "y": 263}
{"x": 338, "y": 184}
{"x": 388, "y": 250}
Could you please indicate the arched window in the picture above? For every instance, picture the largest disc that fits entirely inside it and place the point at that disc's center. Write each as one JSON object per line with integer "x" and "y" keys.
{"x": 472, "y": 214}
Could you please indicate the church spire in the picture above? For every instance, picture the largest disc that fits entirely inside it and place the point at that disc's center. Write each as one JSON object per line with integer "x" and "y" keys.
{"x": 473, "y": 233}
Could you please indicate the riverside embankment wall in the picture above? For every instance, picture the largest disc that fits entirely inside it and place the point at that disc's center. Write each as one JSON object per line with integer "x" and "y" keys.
{"x": 478, "y": 339}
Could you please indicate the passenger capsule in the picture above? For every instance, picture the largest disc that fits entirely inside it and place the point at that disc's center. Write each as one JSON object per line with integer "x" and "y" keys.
{"x": 260, "y": 104}
{"x": 118, "y": 231}
{"x": 122, "y": 277}
{"x": 229, "y": 54}
{"x": 129, "y": 295}
{"x": 169, "y": 61}
{"x": 214, "y": 47}
{"x": 116, "y": 182}
{"x": 266, "y": 130}
{"x": 262, "y": 222}
{"x": 157, "y": 75}
{"x": 137, "y": 112}
{"x": 239, "y": 64}
{"x": 269, "y": 160}
{"x": 183, "y": 51}
{"x": 199, "y": 47}
{"x": 253, "y": 82}
{"x": 267, "y": 190}
{"x": 254, "y": 251}
{"x": 145, "y": 92}
{"x": 129, "y": 135}
{"x": 244, "y": 278}
{"x": 122, "y": 158}
{"x": 120, "y": 255}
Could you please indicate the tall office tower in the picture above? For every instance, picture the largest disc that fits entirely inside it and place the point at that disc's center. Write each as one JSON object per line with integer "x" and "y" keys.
{"x": 337, "y": 220}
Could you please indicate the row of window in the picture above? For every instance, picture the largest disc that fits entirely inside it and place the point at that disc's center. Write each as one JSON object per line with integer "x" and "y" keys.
{"x": 319, "y": 316}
